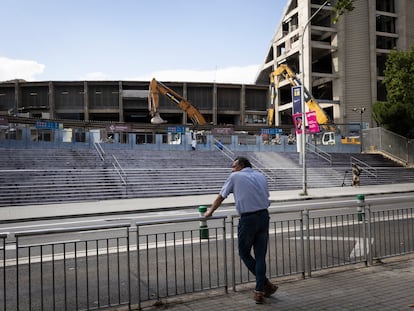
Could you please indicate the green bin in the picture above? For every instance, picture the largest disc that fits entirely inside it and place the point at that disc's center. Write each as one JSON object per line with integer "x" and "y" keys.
{"x": 203, "y": 223}
{"x": 361, "y": 206}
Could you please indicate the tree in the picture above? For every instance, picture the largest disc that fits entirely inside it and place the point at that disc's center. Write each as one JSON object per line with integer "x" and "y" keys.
{"x": 341, "y": 7}
{"x": 397, "y": 113}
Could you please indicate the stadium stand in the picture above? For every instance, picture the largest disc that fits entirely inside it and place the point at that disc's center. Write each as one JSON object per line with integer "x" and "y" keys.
{"x": 42, "y": 176}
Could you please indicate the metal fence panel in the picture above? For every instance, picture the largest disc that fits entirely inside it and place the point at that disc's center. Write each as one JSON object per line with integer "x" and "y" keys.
{"x": 66, "y": 270}
{"x": 393, "y": 232}
{"x": 284, "y": 256}
{"x": 179, "y": 259}
{"x": 334, "y": 241}
{"x": 98, "y": 267}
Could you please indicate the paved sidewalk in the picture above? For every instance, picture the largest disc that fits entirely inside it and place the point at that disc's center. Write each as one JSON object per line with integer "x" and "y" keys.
{"x": 386, "y": 286}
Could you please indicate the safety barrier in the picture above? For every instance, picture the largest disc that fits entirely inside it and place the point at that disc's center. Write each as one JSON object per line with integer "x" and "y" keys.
{"x": 390, "y": 144}
{"x": 181, "y": 261}
{"x": 56, "y": 270}
{"x": 131, "y": 264}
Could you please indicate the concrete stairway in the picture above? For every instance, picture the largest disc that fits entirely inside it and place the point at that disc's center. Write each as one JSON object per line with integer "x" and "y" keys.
{"x": 46, "y": 158}
{"x": 33, "y": 176}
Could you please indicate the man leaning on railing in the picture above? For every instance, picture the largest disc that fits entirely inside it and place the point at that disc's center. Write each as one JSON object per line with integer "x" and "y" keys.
{"x": 251, "y": 194}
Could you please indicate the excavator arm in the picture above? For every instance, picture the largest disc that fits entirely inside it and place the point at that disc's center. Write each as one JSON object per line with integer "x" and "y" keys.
{"x": 155, "y": 89}
{"x": 283, "y": 71}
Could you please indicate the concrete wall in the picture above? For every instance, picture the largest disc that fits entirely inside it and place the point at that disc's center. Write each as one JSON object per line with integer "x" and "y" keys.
{"x": 232, "y": 142}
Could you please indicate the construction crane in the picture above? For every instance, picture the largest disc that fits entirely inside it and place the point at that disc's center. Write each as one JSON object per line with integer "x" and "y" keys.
{"x": 155, "y": 89}
{"x": 283, "y": 71}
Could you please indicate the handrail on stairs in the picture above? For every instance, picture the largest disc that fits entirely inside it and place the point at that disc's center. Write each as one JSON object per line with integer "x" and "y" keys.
{"x": 120, "y": 171}
{"x": 319, "y": 153}
{"x": 365, "y": 167}
{"x": 230, "y": 155}
{"x": 223, "y": 149}
{"x": 100, "y": 150}
{"x": 114, "y": 161}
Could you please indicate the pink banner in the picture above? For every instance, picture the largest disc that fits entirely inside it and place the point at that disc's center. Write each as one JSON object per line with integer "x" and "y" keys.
{"x": 313, "y": 126}
{"x": 297, "y": 120}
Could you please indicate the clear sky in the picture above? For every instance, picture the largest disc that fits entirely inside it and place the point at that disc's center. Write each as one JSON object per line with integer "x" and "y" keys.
{"x": 171, "y": 40}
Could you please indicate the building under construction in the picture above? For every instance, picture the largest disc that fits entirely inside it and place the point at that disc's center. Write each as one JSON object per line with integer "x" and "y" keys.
{"x": 341, "y": 64}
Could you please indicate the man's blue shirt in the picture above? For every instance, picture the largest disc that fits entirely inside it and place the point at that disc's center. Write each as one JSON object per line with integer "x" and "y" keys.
{"x": 249, "y": 188}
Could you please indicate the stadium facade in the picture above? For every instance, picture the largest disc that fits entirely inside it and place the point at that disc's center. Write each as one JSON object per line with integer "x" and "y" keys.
{"x": 127, "y": 101}
{"x": 343, "y": 65}
{"x": 344, "y": 62}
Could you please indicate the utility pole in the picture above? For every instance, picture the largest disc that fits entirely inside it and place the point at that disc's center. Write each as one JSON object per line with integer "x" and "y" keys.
{"x": 303, "y": 149}
{"x": 361, "y": 111}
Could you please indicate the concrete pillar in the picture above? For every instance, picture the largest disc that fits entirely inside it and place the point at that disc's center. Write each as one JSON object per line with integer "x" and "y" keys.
{"x": 242, "y": 105}
{"x": 214, "y": 116}
{"x": 158, "y": 141}
{"x": 185, "y": 96}
{"x": 51, "y": 96}
{"x": 85, "y": 101}
{"x": 120, "y": 103}
{"x": 17, "y": 97}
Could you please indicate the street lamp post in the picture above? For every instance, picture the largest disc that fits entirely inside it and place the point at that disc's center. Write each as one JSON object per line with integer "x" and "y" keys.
{"x": 361, "y": 111}
{"x": 303, "y": 149}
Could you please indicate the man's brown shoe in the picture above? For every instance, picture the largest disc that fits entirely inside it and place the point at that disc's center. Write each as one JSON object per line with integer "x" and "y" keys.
{"x": 258, "y": 297}
{"x": 269, "y": 289}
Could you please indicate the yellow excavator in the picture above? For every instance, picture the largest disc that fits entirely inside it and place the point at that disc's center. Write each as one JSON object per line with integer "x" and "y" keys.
{"x": 155, "y": 89}
{"x": 283, "y": 71}
{"x": 328, "y": 136}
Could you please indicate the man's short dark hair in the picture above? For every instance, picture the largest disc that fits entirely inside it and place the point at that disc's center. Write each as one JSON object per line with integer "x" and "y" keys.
{"x": 244, "y": 162}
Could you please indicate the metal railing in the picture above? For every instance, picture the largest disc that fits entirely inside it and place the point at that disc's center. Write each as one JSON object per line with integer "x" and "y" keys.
{"x": 115, "y": 163}
{"x": 66, "y": 269}
{"x": 129, "y": 264}
{"x": 119, "y": 170}
{"x": 184, "y": 261}
{"x": 365, "y": 167}
{"x": 390, "y": 144}
{"x": 285, "y": 249}
{"x": 227, "y": 152}
{"x": 100, "y": 151}
{"x": 256, "y": 163}
{"x": 261, "y": 167}
{"x": 391, "y": 242}
{"x": 319, "y": 153}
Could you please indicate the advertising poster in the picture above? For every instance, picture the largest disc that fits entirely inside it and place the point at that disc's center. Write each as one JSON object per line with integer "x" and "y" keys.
{"x": 297, "y": 120}
{"x": 313, "y": 126}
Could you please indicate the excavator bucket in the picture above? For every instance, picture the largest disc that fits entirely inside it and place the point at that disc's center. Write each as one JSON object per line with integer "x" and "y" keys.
{"x": 156, "y": 119}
